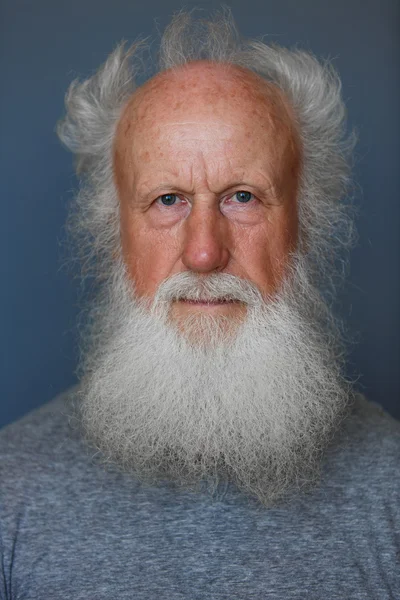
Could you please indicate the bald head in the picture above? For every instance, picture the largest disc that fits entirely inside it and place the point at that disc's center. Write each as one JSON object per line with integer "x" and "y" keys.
{"x": 215, "y": 82}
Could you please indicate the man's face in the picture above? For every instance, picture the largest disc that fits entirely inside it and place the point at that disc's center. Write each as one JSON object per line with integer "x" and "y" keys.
{"x": 206, "y": 165}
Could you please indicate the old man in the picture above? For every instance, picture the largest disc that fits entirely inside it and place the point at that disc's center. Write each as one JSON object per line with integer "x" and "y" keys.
{"x": 213, "y": 447}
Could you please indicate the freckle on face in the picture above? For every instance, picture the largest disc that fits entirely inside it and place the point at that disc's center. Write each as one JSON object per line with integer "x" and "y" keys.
{"x": 146, "y": 156}
{"x": 201, "y": 130}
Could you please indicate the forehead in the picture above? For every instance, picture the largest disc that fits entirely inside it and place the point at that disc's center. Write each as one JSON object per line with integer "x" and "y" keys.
{"x": 215, "y": 105}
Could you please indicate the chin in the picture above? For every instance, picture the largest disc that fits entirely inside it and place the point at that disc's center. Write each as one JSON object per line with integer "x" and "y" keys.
{"x": 208, "y": 325}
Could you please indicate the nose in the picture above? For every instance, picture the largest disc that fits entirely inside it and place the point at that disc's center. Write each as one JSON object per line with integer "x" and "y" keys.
{"x": 205, "y": 240}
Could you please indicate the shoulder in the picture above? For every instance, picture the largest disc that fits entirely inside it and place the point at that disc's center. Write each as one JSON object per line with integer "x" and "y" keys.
{"x": 41, "y": 448}
{"x": 366, "y": 451}
{"x": 40, "y": 432}
{"x": 371, "y": 430}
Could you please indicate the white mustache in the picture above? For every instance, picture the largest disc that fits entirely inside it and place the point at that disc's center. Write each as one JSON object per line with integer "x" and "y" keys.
{"x": 215, "y": 287}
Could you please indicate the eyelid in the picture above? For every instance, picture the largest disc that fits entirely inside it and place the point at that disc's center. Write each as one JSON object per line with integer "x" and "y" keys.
{"x": 231, "y": 195}
{"x": 179, "y": 197}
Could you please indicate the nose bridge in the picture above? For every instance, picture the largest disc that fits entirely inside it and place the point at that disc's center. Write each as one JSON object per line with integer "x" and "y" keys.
{"x": 205, "y": 239}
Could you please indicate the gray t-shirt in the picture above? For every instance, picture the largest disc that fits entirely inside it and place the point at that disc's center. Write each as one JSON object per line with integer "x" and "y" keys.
{"x": 72, "y": 529}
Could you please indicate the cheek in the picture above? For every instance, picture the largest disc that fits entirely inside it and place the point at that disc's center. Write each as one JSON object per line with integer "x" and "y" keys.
{"x": 281, "y": 245}
{"x": 264, "y": 251}
{"x": 149, "y": 257}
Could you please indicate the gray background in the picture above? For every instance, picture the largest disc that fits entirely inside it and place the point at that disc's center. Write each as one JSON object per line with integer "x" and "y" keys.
{"x": 46, "y": 43}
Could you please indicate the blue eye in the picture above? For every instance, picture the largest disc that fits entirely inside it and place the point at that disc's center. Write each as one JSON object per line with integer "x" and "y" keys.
{"x": 243, "y": 196}
{"x": 168, "y": 199}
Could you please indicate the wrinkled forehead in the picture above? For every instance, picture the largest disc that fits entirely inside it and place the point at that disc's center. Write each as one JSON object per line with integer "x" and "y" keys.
{"x": 212, "y": 93}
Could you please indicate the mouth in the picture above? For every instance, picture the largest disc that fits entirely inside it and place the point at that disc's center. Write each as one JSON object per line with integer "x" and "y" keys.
{"x": 205, "y": 302}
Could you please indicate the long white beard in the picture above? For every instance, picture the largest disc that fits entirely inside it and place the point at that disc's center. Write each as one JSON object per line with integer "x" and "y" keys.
{"x": 257, "y": 408}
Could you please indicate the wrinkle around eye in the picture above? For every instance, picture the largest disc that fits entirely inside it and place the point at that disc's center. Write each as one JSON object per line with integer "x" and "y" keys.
{"x": 232, "y": 202}
{"x": 246, "y": 214}
{"x": 180, "y": 201}
{"x": 163, "y": 215}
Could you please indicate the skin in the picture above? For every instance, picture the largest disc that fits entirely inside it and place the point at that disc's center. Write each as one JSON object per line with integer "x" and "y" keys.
{"x": 205, "y": 132}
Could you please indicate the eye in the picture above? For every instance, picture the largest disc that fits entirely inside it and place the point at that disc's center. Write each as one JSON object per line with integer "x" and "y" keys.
{"x": 243, "y": 196}
{"x": 167, "y": 199}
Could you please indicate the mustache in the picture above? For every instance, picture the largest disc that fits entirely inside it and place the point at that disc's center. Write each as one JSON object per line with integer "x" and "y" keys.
{"x": 217, "y": 286}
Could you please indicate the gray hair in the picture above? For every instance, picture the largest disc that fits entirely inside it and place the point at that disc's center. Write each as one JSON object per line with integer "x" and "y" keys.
{"x": 313, "y": 88}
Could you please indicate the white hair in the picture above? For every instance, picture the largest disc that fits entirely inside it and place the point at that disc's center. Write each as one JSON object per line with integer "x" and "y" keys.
{"x": 313, "y": 89}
